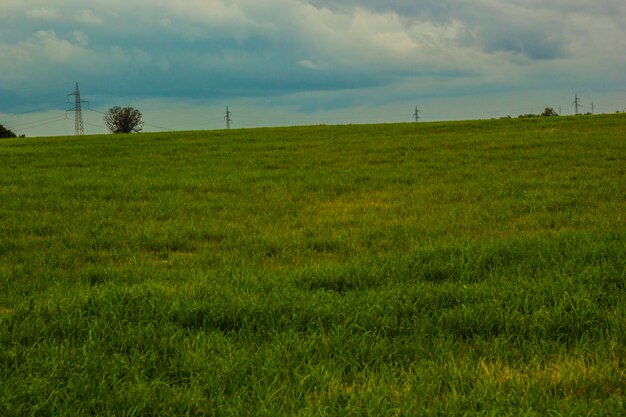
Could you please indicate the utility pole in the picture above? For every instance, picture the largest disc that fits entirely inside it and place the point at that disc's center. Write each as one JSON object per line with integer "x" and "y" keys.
{"x": 591, "y": 108}
{"x": 78, "y": 114}
{"x": 576, "y": 103}
{"x": 416, "y": 115}
{"x": 228, "y": 118}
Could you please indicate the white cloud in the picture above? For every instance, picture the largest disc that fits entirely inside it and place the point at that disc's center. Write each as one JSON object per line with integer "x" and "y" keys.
{"x": 199, "y": 19}
{"x": 89, "y": 17}
{"x": 306, "y": 63}
{"x": 46, "y": 43}
{"x": 81, "y": 38}
{"x": 12, "y": 69}
{"x": 32, "y": 60}
{"x": 43, "y": 13}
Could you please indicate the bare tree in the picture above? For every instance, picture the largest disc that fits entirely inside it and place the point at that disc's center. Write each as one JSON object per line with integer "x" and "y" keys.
{"x": 123, "y": 120}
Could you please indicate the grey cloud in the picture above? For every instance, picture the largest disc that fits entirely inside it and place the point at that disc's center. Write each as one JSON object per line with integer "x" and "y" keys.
{"x": 244, "y": 48}
{"x": 533, "y": 44}
{"x": 432, "y": 9}
{"x": 531, "y": 28}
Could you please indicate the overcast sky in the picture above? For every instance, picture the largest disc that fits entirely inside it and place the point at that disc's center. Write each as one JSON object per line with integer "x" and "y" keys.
{"x": 284, "y": 62}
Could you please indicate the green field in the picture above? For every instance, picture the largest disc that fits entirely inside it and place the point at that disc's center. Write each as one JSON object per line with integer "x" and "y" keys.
{"x": 457, "y": 268}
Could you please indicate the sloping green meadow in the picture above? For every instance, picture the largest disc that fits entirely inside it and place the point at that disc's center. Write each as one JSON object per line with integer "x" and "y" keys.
{"x": 466, "y": 268}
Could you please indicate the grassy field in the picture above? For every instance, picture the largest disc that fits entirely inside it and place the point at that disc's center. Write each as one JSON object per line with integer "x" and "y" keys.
{"x": 461, "y": 268}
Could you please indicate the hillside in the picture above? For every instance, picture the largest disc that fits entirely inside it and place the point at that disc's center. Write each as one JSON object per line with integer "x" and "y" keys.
{"x": 457, "y": 268}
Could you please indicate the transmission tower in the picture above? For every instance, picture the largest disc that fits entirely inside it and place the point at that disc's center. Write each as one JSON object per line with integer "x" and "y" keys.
{"x": 576, "y": 103}
{"x": 416, "y": 115}
{"x": 228, "y": 118}
{"x": 78, "y": 114}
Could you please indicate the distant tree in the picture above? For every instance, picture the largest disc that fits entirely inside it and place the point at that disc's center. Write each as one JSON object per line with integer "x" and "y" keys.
{"x": 549, "y": 111}
{"x": 123, "y": 120}
{"x": 6, "y": 133}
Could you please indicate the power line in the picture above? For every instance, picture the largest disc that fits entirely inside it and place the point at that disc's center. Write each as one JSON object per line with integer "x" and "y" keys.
{"x": 145, "y": 124}
{"x": 94, "y": 125}
{"x": 158, "y": 127}
{"x": 38, "y": 110}
{"x": 43, "y": 123}
{"x": 36, "y": 122}
{"x": 94, "y": 110}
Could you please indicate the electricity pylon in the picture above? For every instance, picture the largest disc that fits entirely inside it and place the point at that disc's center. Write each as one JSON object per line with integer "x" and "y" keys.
{"x": 576, "y": 103}
{"x": 416, "y": 115}
{"x": 78, "y": 114}
{"x": 228, "y": 118}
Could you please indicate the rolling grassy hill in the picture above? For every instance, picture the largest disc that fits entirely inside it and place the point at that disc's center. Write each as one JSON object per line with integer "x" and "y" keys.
{"x": 461, "y": 268}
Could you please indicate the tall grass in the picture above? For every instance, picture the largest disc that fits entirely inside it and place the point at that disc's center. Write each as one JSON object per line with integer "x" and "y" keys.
{"x": 466, "y": 268}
